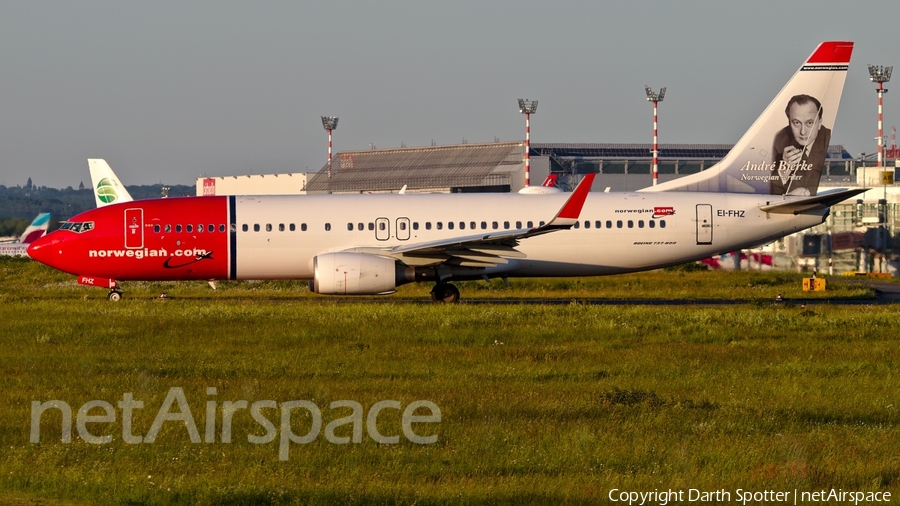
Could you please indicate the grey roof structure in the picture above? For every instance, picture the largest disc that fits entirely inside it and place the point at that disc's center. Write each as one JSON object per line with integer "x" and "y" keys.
{"x": 463, "y": 165}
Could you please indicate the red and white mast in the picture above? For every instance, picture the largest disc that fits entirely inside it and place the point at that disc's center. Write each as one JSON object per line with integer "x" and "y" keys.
{"x": 880, "y": 75}
{"x": 330, "y": 124}
{"x": 656, "y": 99}
{"x": 527, "y": 107}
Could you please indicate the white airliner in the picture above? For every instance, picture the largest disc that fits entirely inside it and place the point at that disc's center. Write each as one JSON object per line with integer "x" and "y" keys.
{"x": 18, "y": 246}
{"x": 765, "y": 188}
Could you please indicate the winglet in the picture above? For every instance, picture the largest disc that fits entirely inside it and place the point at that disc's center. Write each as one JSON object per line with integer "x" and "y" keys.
{"x": 571, "y": 210}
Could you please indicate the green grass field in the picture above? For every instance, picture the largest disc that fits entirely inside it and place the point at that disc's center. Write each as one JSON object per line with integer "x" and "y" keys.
{"x": 542, "y": 404}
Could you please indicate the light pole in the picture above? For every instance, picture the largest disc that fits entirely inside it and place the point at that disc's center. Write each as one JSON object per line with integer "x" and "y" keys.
{"x": 330, "y": 124}
{"x": 880, "y": 75}
{"x": 527, "y": 107}
{"x": 656, "y": 99}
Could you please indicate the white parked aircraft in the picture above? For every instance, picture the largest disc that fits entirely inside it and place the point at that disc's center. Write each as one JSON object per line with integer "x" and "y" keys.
{"x": 765, "y": 188}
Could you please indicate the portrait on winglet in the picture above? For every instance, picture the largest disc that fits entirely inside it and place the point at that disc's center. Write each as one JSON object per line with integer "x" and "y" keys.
{"x": 799, "y": 149}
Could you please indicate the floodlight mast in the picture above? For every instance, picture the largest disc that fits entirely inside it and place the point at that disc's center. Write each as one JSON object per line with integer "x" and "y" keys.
{"x": 527, "y": 107}
{"x": 880, "y": 75}
{"x": 655, "y": 98}
{"x": 330, "y": 124}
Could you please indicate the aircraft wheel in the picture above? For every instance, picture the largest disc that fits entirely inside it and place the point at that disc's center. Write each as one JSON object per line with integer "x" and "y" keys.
{"x": 114, "y": 296}
{"x": 445, "y": 292}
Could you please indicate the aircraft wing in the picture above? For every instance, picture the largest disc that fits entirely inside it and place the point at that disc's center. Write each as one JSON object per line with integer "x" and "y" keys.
{"x": 820, "y": 201}
{"x": 491, "y": 249}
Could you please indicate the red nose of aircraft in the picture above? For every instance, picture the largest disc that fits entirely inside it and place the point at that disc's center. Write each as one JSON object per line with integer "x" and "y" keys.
{"x": 46, "y": 250}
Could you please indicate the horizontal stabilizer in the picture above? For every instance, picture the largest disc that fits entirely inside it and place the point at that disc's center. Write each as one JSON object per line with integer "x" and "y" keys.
{"x": 797, "y": 206}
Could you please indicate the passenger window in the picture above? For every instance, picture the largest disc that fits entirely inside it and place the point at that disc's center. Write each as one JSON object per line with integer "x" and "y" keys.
{"x": 402, "y": 225}
{"x": 281, "y": 227}
{"x": 233, "y": 228}
{"x": 473, "y": 225}
{"x": 268, "y": 227}
{"x": 190, "y": 228}
{"x": 462, "y": 225}
{"x": 577, "y": 224}
{"x": 256, "y": 227}
{"x": 440, "y": 225}
{"x": 292, "y": 227}
{"x": 360, "y": 226}
{"x": 662, "y": 223}
{"x": 598, "y": 224}
{"x": 609, "y": 224}
{"x": 518, "y": 224}
{"x": 630, "y": 224}
{"x": 542, "y": 223}
{"x": 381, "y": 226}
{"x": 244, "y": 227}
{"x": 640, "y": 223}
{"x": 427, "y": 225}
{"x": 222, "y": 227}
{"x": 155, "y": 229}
{"x": 350, "y": 227}
{"x": 177, "y": 229}
{"x": 483, "y": 225}
{"x": 652, "y": 223}
{"x": 495, "y": 225}
{"x": 328, "y": 227}
{"x": 450, "y": 225}
{"x": 506, "y": 225}
{"x": 415, "y": 225}
{"x": 618, "y": 223}
{"x": 303, "y": 227}
{"x": 530, "y": 224}
{"x": 212, "y": 228}
{"x": 587, "y": 224}
{"x": 200, "y": 228}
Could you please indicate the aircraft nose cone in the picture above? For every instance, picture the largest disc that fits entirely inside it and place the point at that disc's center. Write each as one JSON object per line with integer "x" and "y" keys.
{"x": 43, "y": 249}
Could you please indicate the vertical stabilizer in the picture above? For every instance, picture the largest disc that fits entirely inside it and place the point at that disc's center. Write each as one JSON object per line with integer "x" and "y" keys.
{"x": 107, "y": 187}
{"x": 784, "y": 150}
{"x": 36, "y": 230}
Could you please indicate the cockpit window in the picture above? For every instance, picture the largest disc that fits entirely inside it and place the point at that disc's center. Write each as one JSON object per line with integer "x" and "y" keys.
{"x": 77, "y": 226}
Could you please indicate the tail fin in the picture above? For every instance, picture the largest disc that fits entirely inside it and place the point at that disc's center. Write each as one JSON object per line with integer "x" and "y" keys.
{"x": 551, "y": 180}
{"x": 784, "y": 150}
{"x": 107, "y": 187}
{"x": 36, "y": 230}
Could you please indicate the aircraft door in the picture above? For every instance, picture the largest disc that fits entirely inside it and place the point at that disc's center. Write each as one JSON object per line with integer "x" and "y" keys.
{"x": 382, "y": 229}
{"x": 402, "y": 229}
{"x": 704, "y": 224}
{"x": 134, "y": 228}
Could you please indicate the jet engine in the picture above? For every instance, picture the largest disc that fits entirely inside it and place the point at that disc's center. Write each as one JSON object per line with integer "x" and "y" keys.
{"x": 345, "y": 273}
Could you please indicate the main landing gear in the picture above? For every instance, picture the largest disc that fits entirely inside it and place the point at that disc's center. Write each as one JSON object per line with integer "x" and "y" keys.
{"x": 445, "y": 292}
{"x": 114, "y": 295}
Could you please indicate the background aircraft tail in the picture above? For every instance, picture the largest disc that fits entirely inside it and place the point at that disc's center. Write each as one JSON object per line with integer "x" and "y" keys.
{"x": 107, "y": 187}
{"x": 784, "y": 150}
{"x": 36, "y": 230}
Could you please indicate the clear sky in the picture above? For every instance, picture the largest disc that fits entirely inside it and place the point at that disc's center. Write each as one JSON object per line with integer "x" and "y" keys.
{"x": 167, "y": 91}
